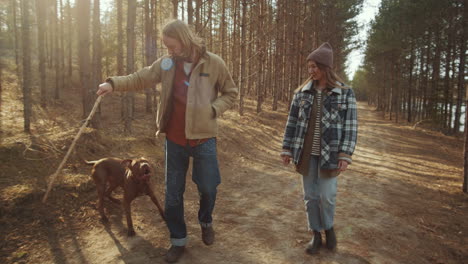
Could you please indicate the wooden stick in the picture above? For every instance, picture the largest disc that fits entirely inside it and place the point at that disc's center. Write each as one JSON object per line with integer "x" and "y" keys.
{"x": 53, "y": 176}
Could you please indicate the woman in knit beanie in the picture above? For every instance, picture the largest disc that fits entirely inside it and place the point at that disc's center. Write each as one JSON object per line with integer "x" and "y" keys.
{"x": 320, "y": 138}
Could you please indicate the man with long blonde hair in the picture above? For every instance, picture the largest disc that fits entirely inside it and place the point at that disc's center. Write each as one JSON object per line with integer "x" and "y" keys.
{"x": 196, "y": 88}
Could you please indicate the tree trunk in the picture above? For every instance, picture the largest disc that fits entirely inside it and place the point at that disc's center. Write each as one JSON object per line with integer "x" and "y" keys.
{"x": 70, "y": 41}
{"x": 260, "y": 54}
{"x": 175, "y": 5}
{"x": 410, "y": 84}
{"x": 235, "y": 47}
{"x": 120, "y": 51}
{"x": 26, "y": 66}
{"x": 447, "y": 88}
{"x": 210, "y": 21}
{"x": 40, "y": 9}
{"x": 150, "y": 51}
{"x": 461, "y": 81}
{"x": 189, "y": 12}
{"x": 434, "y": 93}
{"x": 62, "y": 46}
{"x": 461, "y": 73}
{"x": 97, "y": 55}
{"x": 465, "y": 166}
{"x": 198, "y": 22}
{"x": 17, "y": 44}
{"x": 56, "y": 51}
{"x": 120, "y": 39}
{"x": 243, "y": 56}
{"x": 88, "y": 93}
{"x": 278, "y": 57}
{"x": 130, "y": 97}
{"x": 397, "y": 91}
{"x": 223, "y": 30}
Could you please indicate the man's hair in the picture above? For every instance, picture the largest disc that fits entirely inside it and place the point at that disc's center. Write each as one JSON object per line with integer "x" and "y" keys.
{"x": 180, "y": 31}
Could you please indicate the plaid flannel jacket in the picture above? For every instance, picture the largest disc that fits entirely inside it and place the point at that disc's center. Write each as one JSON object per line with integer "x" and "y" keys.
{"x": 339, "y": 124}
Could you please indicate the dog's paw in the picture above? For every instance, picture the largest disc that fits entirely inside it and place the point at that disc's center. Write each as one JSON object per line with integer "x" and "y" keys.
{"x": 131, "y": 233}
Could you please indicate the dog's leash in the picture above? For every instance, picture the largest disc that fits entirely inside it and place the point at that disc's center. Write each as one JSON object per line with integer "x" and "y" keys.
{"x": 53, "y": 176}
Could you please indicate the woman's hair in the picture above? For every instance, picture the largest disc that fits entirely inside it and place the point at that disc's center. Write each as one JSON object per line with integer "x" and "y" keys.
{"x": 333, "y": 80}
{"x": 180, "y": 31}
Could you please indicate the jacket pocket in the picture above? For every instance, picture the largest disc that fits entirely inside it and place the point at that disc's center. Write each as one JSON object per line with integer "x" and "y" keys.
{"x": 203, "y": 120}
{"x": 337, "y": 111}
{"x": 305, "y": 107}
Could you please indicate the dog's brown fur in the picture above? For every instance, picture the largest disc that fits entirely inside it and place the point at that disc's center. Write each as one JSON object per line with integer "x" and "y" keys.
{"x": 132, "y": 175}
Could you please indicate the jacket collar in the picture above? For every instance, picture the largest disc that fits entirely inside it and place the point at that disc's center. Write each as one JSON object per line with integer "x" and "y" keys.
{"x": 309, "y": 87}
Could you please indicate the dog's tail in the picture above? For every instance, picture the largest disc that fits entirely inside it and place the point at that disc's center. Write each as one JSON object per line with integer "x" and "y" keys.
{"x": 90, "y": 162}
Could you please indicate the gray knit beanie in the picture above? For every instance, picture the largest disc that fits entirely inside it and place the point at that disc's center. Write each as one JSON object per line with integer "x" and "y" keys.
{"x": 322, "y": 55}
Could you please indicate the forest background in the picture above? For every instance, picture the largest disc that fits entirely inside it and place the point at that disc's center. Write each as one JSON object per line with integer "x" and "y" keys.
{"x": 413, "y": 69}
{"x": 411, "y": 87}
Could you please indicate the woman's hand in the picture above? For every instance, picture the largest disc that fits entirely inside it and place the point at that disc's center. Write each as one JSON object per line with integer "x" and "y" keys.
{"x": 286, "y": 156}
{"x": 342, "y": 165}
{"x": 286, "y": 159}
{"x": 104, "y": 88}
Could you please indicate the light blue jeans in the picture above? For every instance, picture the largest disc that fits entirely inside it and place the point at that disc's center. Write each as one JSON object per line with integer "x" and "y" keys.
{"x": 319, "y": 197}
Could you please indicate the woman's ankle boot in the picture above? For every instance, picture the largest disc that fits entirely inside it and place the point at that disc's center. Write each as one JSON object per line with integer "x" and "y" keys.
{"x": 315, "y": 244}
{"x": 331, "y": 238}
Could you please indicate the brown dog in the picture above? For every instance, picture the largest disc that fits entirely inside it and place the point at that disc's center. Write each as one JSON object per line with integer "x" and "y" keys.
{"x": 132, "y": 175}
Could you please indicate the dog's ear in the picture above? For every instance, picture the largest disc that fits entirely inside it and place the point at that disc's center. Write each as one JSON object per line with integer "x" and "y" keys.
{"x": 126, "y": 163}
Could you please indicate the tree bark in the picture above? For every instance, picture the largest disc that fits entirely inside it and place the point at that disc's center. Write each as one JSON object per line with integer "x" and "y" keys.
{"x": 86, "y": 84}
{"x": 223, "y": 29}
{"x": 243, "y": 56}
{"x": 461, "y": 72}
{"x": 40, "y": 9}
{"x": 150, "y": 51}
{"x": 175, "y": 5}
{"x": 97, "y": 55}
{"x": 189, "y": 12}
{"x": 27, "y": 104}
{"x": 410, "y": 84}
{"x": 120, "y": 39}
{"x": 70, "y": 40}
{"x": 56, "y": 52}
{"x": 17, "y": 44}
{"x": 198, "y": 22}
{"x": 465, "y": 165}
{"x": 260, "y": 55}
{"x": 130, "y": 97}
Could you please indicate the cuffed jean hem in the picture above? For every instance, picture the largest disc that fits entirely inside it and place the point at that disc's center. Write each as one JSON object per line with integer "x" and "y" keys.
{"x": 205, "y": 225}
{"x": 179, "y": 241}
{"x": 320, "y": 229}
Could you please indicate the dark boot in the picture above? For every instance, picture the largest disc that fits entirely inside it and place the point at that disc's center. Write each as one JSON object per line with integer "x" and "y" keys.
{"x": 208, "y": 235}
{"x": 315, "y": 244}
{"x": 331, "y": 238}
{"x": 174, "y": 253}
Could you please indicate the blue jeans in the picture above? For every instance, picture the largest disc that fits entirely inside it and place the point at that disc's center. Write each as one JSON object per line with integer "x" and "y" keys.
{"x": 205, "y": 174}
{"x": 319, "y": 197}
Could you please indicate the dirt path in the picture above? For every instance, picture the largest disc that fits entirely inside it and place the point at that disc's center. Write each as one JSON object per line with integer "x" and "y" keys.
{"x": 400, "y": 202}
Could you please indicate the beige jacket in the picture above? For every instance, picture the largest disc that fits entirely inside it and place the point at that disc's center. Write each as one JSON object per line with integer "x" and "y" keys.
{"x": 211, "y": 89}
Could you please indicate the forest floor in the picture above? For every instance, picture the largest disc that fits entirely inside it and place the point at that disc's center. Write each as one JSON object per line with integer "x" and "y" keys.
{"x": 399, "y": 202}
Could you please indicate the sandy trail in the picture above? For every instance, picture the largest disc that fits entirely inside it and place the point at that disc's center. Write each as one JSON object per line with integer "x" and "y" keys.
{"x": 400, "y": 202}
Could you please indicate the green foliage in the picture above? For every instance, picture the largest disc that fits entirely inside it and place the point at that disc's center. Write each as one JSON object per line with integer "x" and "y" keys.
{"x": 360, "y": 84}
{"x": 409, "y": 48}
